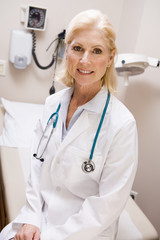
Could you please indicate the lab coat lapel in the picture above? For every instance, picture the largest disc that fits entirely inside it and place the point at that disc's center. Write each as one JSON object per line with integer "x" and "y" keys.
{"x": 79, "y": 127}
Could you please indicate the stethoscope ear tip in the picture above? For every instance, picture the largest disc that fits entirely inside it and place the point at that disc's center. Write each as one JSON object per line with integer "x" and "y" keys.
{"x": 40, "y": 159}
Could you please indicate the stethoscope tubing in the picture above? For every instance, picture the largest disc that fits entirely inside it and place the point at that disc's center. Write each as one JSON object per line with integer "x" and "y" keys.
{"x": 88, "y": 166}
{"x": 99, "y": 127}
{"x": 56, "y": 114}
{"x": 36, "y": 154}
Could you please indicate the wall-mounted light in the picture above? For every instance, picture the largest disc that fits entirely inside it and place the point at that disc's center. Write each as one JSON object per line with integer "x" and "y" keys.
{"x": 131, "y": 64}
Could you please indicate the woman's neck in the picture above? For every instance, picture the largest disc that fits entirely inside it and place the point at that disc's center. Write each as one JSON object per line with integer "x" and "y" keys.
{"x": 83, "y": 94}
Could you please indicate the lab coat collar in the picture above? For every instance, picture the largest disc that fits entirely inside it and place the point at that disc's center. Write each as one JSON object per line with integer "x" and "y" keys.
{"x": 97, "y": 103}
{"x": 67, "y": 96}
{"x": 94, "y": 105}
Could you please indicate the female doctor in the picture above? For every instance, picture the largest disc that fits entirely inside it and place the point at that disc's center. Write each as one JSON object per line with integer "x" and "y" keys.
{"x": 85, "y": 160}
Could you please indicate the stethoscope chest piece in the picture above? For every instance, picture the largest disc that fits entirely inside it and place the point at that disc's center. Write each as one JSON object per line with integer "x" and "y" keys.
{"x": 88, "y": 166}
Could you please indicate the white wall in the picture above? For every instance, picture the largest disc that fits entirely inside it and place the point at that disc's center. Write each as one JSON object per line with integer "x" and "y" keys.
{"x": 32, "y": 84}
{"x": 137, "y": 26}
{"x": 139, "y": 32}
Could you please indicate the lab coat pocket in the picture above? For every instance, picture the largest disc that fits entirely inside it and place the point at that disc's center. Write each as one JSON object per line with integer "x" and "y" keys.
{"x": 75, "y": 179}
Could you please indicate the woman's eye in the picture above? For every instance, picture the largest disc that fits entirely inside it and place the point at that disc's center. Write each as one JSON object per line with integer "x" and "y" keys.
{"x": 77, "y": 48}
{"x": 97, "y": 51}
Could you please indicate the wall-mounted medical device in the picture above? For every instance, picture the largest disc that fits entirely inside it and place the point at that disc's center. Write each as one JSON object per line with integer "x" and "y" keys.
{"x": 23, "y": 43}
{"x": 34, "y": 17}
{"x": 20, "y": 48}
{"x": 131, "y": 64}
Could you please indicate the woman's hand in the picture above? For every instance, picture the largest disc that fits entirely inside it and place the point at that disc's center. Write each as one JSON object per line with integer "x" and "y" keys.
{"x": 28, "y": 232}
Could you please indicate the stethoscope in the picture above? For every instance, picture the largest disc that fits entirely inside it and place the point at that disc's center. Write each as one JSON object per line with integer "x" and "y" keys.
{"x": 87, "y": 166}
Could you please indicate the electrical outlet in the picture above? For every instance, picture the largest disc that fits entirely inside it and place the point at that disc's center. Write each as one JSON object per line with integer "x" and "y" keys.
{"x": 2, "y": 67}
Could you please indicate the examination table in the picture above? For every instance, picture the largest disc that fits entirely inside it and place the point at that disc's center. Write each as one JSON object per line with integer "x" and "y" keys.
{"x": 14, "y": 170}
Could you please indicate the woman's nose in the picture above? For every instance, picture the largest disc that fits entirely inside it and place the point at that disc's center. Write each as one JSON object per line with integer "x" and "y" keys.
{"x": 85, "y": 58}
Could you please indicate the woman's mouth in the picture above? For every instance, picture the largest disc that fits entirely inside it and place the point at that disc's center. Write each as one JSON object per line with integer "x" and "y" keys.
{"x": 84, "y": 72}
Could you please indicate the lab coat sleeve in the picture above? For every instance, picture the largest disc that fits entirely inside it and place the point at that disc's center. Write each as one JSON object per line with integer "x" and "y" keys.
{"x": 31, "y": 212}
{"x": 99, "y": 212}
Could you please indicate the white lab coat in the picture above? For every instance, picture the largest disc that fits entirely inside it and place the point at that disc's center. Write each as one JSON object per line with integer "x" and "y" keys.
{"x": 62, "y": 200}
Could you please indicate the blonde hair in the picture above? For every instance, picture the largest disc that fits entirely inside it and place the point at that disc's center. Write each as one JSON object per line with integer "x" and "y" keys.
{"x": 84, "y": 20}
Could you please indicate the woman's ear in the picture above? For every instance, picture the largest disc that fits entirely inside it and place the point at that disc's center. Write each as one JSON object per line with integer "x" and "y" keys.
{"x": 67, "y": 51}
{"x": 111, "y": 58}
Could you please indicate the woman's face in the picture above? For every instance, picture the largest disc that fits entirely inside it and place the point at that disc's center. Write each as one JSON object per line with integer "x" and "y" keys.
{"x": 88, "y": 57}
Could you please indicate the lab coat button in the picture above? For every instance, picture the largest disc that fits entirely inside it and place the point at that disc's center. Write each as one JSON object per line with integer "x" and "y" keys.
{"x": 58, "y": 189}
